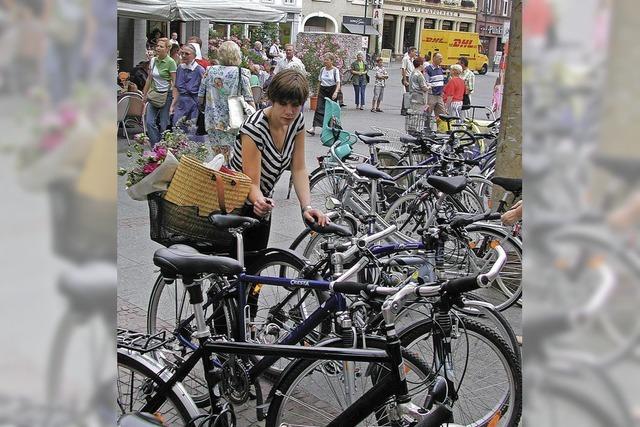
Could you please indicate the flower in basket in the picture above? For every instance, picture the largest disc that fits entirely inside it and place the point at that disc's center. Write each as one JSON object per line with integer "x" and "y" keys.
{"x": 151, "y": 170}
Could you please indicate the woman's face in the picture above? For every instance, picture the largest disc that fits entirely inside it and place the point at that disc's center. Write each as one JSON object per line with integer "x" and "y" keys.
{"x": 328, "y": 62}
{"x": 285, "y": 113}
{"x": 161, "y": 49}
{"x": 359, "y": 57}
{"x": 187, "y": 56}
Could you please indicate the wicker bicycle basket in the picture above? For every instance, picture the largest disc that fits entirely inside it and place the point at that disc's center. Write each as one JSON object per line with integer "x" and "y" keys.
{"x": 418, "y": 123}
{"x": 171, "y": 224}
{"x": 209, "y": 190}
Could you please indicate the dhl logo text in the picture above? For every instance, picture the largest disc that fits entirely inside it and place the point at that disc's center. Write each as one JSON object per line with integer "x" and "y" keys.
{"x": 434, "y": 40}
{"x": 462, "y": 43}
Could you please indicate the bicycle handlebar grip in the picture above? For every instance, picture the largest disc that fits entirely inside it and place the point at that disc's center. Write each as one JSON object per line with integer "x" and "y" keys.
{"x": 350, "y": 288}
{"x": 461, "y": 285}
{"x": 494, "y": 216}
{"x": 436, "y": 417}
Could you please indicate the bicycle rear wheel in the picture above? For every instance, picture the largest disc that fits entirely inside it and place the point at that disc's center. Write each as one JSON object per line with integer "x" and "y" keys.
{"x": 138, "y": 378}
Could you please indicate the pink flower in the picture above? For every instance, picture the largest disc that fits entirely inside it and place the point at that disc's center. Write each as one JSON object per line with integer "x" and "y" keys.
{"x": 51, "y": 140}
{"x": 150, "y": 155}
{"x": 161, "y": 151}
{"x": 150, "y": 167}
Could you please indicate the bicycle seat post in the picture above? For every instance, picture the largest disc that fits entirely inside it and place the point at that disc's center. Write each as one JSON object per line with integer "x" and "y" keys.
{"x": 237, "y": 232}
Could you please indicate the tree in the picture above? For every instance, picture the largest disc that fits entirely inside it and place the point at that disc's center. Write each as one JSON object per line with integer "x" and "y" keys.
{"x": 509, "y": 153}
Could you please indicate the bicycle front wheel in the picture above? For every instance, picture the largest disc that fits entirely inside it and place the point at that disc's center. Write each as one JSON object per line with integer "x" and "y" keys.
{"x": 138, "y": 378}
{"x": 490, "y": 388}
{"x": 314, "y": 392}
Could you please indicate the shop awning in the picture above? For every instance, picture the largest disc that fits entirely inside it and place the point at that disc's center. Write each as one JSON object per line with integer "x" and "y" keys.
{"x": 238, "y": 11}
{"x": 357, "y": 29}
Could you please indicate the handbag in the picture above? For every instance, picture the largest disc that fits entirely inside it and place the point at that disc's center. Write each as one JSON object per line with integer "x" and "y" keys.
{"x": 239, "y": 109}
{"x": 157, "y": 99}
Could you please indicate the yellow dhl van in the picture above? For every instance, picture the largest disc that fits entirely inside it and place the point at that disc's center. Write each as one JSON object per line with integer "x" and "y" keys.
{"x": 454, "y": 44}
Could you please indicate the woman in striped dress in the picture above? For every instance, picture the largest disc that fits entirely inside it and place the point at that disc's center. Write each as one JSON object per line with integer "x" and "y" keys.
{"x": 270, "y": 142}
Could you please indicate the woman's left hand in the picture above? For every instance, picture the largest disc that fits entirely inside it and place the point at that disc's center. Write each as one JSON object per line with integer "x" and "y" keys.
{"x": 316, "y": 215}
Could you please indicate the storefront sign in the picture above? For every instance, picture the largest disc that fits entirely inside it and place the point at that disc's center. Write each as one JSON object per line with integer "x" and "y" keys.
{"x": 377, "y": 17}
{"x": 437, "y": 12}
{"x": 356, "y": 20}
{"x": 491, "y": 29}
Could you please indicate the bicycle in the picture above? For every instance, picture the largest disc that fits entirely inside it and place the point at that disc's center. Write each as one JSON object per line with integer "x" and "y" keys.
{"x": 159, "y": 387}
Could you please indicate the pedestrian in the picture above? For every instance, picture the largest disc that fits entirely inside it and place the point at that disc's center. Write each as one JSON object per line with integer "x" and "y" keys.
{"x": 469, "y": 82}
{"x": 272, "y": 141}
{"x": 274, "y": 50}
{"x": 139, "y": 74}
{"x": 174, "y": 39}
{"x": 359, "y": 79}
{"x": 406, "y": 69}
{"x": 329, "y": 79}
{"x": 258, "y": 50}
{"x": 381, "y": 75}
{"x": 185, "y": 91}
{"x": 220, "y": 82}
{"x": 453, "y": 91}
{"x": 199, "y": 59}
{"x": 174, "y": 53}
{"x": 436, "y": 85}
{"x": 162, "y": 78}
{"x": 418, "y": 87}
{"x": 289, "y": 60}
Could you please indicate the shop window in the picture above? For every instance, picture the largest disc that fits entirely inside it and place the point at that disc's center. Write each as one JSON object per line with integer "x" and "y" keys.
{"x": 464, "y": 26}
{"x": 447, "y": 25}
{"x": 429, "y": 24}
{"x": 487, "y": 6}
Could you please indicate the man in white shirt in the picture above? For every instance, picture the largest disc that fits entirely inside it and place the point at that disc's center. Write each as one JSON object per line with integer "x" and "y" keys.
{"x": 289, "y": 60}
{"x": 274, "y": 50}
{"x": 406, "y": 69}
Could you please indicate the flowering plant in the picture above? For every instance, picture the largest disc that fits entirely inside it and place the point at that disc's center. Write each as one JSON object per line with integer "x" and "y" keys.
{"x": 311, "y": 48}
{"x": 146, "y": 161}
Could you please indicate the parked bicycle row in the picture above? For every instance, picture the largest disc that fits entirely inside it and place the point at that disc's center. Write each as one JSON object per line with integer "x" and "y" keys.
{"x": 378, "y": 320}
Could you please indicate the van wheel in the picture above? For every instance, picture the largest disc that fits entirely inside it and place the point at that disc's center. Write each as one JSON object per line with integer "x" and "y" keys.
{"x": 484, "y": 69}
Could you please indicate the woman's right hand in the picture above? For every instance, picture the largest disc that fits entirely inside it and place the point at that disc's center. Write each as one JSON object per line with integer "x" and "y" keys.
{"x": 262, "y": 206}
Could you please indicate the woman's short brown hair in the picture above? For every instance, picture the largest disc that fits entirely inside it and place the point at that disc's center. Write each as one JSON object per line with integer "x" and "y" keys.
{"x": 417, "y": 61}
{"x": 288, "y": 86}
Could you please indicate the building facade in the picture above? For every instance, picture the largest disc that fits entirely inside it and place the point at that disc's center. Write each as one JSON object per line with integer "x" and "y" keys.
{"x": 494, "y": 18}
{"x": 403, "y": 21}
{"x": 342, "y": 16}
{"x": 292, "y": 26}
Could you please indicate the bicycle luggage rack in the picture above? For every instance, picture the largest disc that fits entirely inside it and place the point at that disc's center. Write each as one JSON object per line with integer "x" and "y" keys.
{"x": 142, "y": 343}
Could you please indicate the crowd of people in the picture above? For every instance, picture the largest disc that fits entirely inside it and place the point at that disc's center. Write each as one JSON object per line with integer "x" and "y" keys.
{"x": 427, "y": 88}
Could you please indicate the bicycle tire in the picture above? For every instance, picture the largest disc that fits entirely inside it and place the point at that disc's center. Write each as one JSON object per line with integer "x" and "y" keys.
{"x": 178, "y": 410}
{"x": 300, "y": 370}
{"x": 510, "y": 402}
{"x": 159, "y": 317}
{"x": 308, "y": 300}
{"x": 506, "y": 290}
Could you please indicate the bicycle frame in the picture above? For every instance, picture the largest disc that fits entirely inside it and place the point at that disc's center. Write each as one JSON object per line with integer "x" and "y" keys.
{"x": 394, "y": 384}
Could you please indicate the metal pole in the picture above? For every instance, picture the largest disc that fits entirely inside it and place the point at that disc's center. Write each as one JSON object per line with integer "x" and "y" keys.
{"x": 364, "y": 22}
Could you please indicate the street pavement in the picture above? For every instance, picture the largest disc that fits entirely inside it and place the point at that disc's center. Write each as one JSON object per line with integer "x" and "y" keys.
{"x": 135, "y": 249}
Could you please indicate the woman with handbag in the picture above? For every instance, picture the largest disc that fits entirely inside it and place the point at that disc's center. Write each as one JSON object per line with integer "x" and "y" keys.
{"x": 359, "y": 78}
{"x": 157, "y": 91}
{"x": 272, "y": 141}
{"x": 329, "y": 79}
{"x": 185, "y": 105}
{"x": 223, "y": 85}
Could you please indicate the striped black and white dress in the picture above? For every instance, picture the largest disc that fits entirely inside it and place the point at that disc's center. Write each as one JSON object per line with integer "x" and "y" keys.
{"x": 274, "y": 162}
